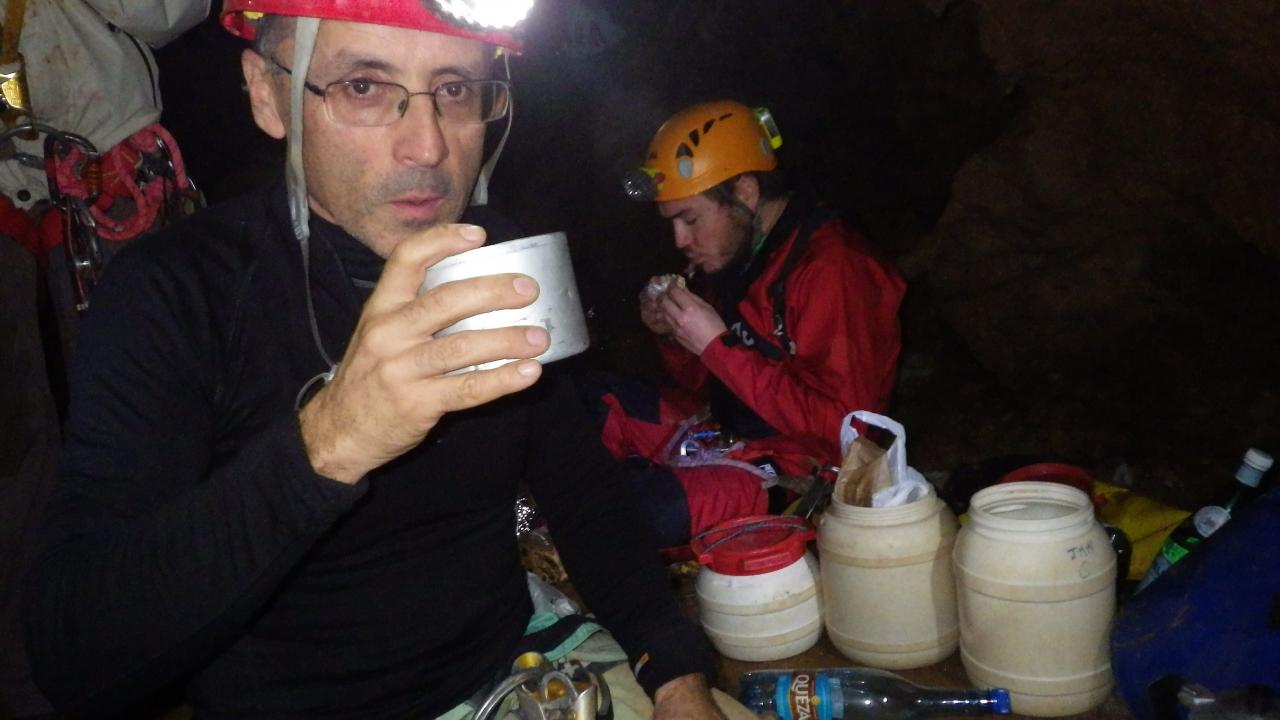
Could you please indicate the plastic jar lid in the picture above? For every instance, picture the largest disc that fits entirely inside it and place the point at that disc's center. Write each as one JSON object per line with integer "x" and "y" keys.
{"x": 1076, "y": 477}
{"x": 1258, "y": 459}
{"x": 753, "y": 545}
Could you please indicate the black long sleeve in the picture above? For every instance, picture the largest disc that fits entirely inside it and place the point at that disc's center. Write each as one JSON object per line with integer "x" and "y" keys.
{"x": 156, "y": 553}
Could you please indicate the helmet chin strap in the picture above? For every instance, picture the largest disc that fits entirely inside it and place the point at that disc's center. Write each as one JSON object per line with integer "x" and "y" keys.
{"x": 758, "y": 234}
{"x": 480, "y": 195}
{"x": 304, "y": 43}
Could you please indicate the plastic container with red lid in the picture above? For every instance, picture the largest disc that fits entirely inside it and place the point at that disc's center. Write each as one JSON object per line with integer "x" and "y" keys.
{"x": 753, "y": 545}
{"x": 758, "y": 592}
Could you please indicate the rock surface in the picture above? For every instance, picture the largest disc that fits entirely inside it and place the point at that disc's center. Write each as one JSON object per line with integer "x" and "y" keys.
{"x": 1111, "y": 259}
{"x": 1082, "y": 195}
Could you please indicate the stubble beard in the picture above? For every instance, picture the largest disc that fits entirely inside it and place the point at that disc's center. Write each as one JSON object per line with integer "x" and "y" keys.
{"x": 375, "y": 225}
{"x": 420, "y": 180}
{"x": 741, "y": 253}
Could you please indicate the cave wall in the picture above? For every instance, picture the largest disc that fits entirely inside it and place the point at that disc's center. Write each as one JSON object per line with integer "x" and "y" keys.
{"x": 1111, "y": 259}
{"x": 1080, "y": 193}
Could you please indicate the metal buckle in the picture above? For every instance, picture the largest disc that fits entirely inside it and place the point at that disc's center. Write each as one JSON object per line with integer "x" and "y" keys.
{"x": 544, "y": 693}
{"x": 81, "y": 243}
{"x": 13, "y": 91}
{"x": 84, "y": 251}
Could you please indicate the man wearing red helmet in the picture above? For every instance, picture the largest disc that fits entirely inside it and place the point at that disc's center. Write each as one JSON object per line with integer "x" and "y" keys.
{"x": 784, "y": 322}
{"x": 278, "y": 495}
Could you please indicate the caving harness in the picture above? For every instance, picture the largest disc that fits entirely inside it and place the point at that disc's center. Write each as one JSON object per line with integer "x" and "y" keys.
{"x": 116, "y": 195}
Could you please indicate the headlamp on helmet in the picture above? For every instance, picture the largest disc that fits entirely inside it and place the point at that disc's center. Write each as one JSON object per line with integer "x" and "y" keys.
{"x": 642, "y": 183}
{"x": 703, "y": 146}
{"x": 765, "y": 118}
{"x": 485, "y": 14}
{"x": 490, "y": 21}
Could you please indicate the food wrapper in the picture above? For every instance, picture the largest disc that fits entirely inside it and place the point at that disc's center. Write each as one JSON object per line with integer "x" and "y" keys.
{"x": 538, "y": 553}
{"x": 662, "y": 283}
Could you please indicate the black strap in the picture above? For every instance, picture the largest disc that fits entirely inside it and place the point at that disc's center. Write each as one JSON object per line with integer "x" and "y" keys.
{"x": 778, "y": 290}
{"x": 550, "y": 637}
{"x": 803, "y": 219}
{"x": 783, "y": 346}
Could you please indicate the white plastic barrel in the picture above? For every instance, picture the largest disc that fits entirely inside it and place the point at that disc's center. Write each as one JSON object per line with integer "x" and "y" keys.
{"x": 1035, "y": 575}
{"x": 758, "y": 592}
{"x": 887, "y": 581}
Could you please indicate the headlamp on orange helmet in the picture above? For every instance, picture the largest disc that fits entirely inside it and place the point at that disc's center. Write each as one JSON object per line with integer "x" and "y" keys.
{"x": 701, "y": 147}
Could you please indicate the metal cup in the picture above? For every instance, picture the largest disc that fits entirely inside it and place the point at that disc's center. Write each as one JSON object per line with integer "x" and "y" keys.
{"x": 558, "y": 308}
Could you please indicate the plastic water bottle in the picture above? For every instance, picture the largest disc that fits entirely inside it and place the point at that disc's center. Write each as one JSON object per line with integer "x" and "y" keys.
{"x": 856, "y": 693}
{"x": 1188, "y": 535}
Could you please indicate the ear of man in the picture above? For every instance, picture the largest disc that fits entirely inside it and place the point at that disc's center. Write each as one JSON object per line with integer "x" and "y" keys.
{"x": 268, "y": 96}
{"x": 746, "y": 190}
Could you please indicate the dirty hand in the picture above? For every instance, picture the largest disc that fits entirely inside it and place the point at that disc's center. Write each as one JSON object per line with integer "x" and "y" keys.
{"x": 685, "y": 698}
{"x": 390, "y": 389}
{"x": 650, "y": 313}
{"x": 694, "y": 323}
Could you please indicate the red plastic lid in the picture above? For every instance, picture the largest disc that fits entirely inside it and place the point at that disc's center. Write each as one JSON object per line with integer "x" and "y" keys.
{"x": 753, "y": 545}
{"x": 1061, "y": 473}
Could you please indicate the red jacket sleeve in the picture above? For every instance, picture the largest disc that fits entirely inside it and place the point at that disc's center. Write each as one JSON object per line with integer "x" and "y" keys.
{"x": 842, "y": 314}
{"x": 682, "y": 366}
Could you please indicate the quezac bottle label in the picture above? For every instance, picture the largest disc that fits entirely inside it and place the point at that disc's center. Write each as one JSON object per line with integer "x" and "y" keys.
{"x": 804, "y": 696}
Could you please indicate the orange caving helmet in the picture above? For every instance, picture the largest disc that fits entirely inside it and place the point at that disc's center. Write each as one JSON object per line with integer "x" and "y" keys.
{"x": 488, "y": 21}
{"x": 701, "y": 147}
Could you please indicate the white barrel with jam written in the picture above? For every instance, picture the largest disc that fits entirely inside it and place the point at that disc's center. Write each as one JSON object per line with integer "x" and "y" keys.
{"x": 887, "y": 582}
{"x": 1035, "y": 575}
{"x": 758, "y": 593}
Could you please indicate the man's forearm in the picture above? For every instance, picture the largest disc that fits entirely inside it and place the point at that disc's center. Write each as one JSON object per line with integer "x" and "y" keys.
{"x": 687, "y": 696}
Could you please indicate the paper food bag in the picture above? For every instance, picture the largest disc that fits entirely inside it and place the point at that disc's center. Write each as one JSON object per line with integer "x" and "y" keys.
{"x": 864, "y": 471}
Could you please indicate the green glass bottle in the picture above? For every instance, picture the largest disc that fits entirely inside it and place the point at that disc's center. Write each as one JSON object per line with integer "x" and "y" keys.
{"x": 1188, "y": 535}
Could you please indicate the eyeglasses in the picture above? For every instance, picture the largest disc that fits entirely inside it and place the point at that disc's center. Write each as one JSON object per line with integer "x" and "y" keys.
{"x": 370, "y": 103}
